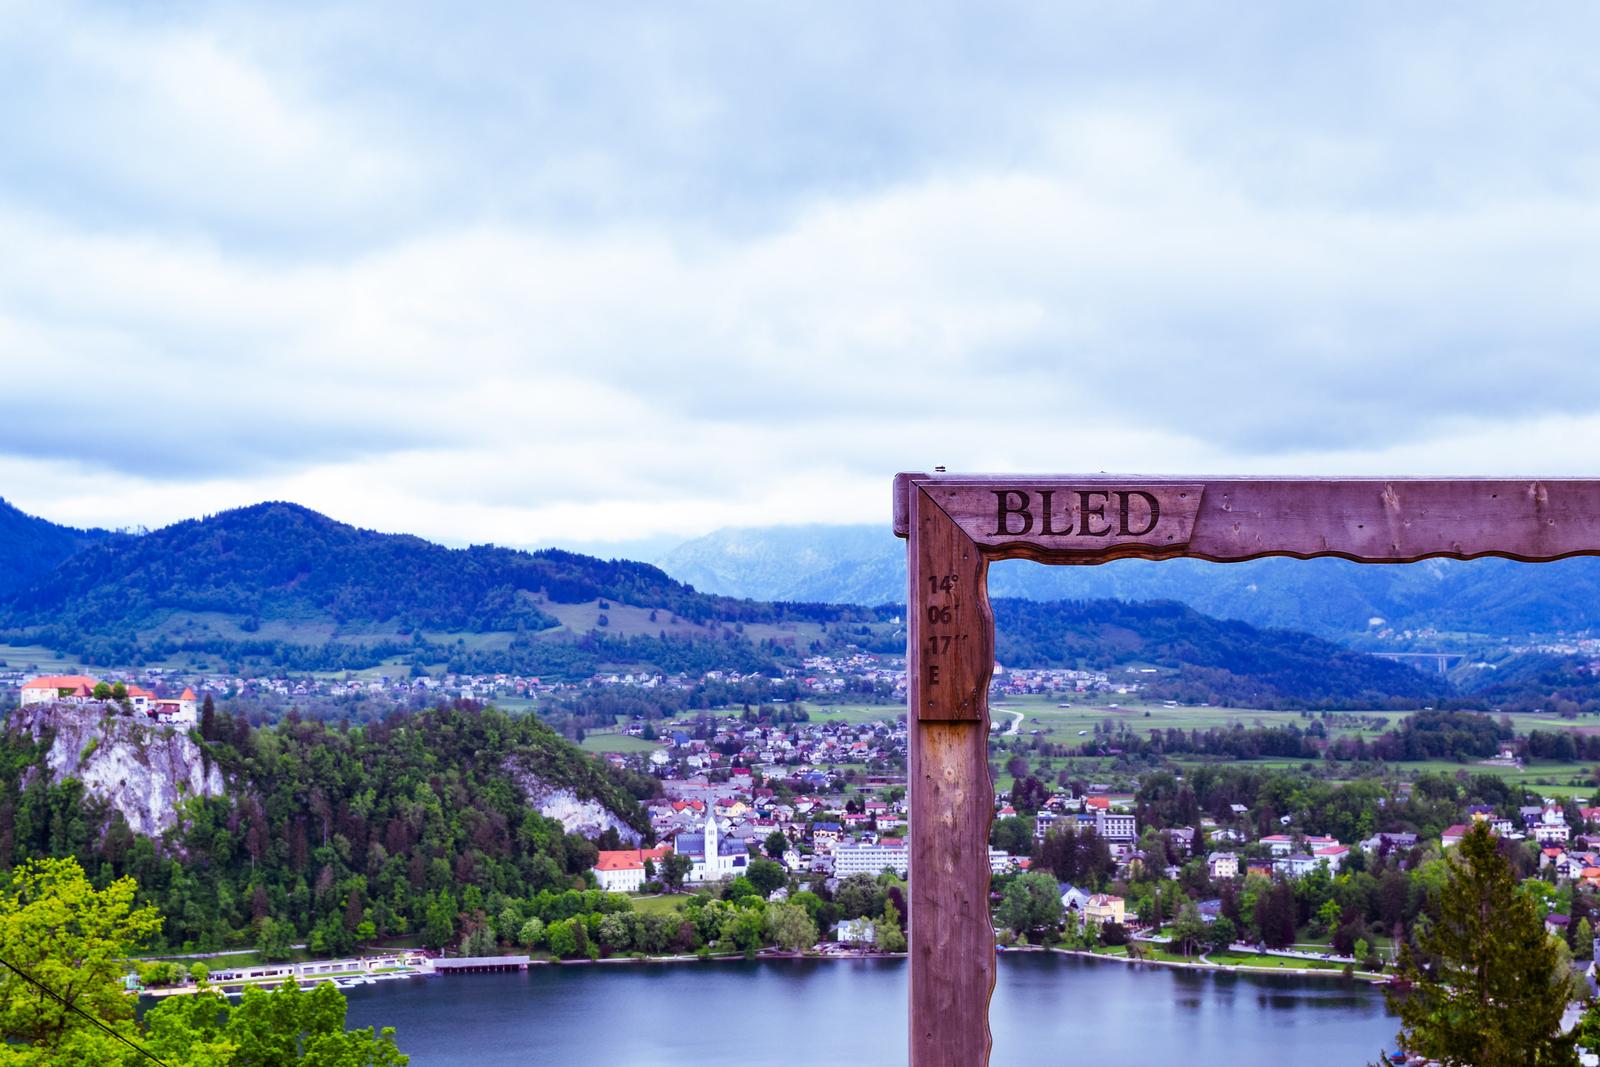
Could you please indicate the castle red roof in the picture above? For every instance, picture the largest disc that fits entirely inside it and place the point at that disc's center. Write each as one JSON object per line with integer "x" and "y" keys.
{"x": 80, "y": 684}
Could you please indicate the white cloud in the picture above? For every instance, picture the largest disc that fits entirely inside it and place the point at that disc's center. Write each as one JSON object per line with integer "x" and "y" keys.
{"x": 330, "y": 259}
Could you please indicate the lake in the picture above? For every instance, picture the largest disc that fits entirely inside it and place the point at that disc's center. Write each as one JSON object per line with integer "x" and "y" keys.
{"x": 1047, "y": 1009}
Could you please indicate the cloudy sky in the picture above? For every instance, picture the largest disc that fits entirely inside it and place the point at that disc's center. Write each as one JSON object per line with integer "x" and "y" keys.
{"x": 595, "y": 272}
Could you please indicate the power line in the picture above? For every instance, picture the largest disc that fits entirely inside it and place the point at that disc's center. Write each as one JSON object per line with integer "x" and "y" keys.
{"x": 53, "y": 995}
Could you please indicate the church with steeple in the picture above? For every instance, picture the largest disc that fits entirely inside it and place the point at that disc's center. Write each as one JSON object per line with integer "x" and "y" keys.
{"x": 714, "y": 859}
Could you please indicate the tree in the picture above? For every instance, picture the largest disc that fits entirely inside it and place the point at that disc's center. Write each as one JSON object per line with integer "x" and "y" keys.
{"x": 615, "y": 932}
{"x": 890, "y": 937}
{"x": 531, "y": 934}
{"x": 1188, "y": 929}
{"x": 745, "y": 929}
{"x": 273, "y": 939}
{"x": 1221, "y": 934}
{"x": 1012, "y": 834}
{"x": 1275, "y": 915}
{"x": 766, "y": 876}
{"x": 1031, "y": 904}
{"x": 440, "y": 928}
{"x": 160, "y": 973}
{"x": 738, "y": 888}
{"x": 268, "y": 1028}
{"x": 789, "y": 926}
{"x": 858, "y": 896}
{"x": 71, "y": 938}
{"x": 775, "y": 845}
{"x": 479, "y": 941}
{"x": 1496, "y": 990}
{"x": 563, "y": 942}
{"x": 674, "y": 869}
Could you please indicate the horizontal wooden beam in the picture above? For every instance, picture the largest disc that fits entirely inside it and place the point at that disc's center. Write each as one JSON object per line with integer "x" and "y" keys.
{"x": 1098, "y": 517}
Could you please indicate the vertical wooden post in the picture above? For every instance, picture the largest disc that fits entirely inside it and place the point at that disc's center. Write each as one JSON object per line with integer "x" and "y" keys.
{"x": 949, "y": 661}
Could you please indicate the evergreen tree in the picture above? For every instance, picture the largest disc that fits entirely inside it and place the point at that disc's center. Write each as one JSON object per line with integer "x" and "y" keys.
{"x": 1496, "y": 989}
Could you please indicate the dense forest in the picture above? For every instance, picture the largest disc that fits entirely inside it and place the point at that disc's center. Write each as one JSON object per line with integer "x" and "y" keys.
{"x": 335, "y": 834}
{"x": 30, "y": 547}
{"x": 283, "y": 561}
{"x": 1215, "y": 660}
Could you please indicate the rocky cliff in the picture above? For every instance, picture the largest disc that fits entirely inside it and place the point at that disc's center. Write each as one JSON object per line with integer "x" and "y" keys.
{"x": 579, "y": 815}
{"x": 141, "y": 769}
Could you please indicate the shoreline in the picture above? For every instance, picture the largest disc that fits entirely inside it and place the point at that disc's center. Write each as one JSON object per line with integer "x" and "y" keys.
{"x": 1201, "y": 964}
{"x": 1223, "y": 968}
{"x": 1193, "y": 965}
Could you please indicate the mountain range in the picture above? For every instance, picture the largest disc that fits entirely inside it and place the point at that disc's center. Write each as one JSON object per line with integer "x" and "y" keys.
{"x": 277, "y": 585}
{"x": 1333, "y": 598}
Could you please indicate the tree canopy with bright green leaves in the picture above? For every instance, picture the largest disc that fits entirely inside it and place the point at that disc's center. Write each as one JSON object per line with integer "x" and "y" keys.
{"x": 62, "y": 1000}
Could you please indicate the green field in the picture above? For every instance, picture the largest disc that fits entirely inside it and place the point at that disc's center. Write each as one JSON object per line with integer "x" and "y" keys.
{"x": 617, "y": 743}
{"x": 659, "y": 905}
{"x": 1271, "y": 963}
{"x": 626, "y": 620}
{"x": 854, "y": 713}
{"x": 37, "y": 658}
{"x": 1045, "y": 714}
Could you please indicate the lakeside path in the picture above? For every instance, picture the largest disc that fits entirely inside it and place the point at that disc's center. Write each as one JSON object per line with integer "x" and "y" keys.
{"x": 1201, "y": 963}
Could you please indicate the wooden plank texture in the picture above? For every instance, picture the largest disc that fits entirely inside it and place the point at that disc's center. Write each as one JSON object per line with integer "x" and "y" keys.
{"x": 949, "y": 661}
{"x": 1372, "y": 520}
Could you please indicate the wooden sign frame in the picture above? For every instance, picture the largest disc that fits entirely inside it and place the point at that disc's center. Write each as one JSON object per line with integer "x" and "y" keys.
{"x": 956, "y": 524}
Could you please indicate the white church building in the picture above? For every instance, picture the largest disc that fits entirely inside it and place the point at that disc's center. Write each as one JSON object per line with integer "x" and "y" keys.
{"x": 714, "y": 859}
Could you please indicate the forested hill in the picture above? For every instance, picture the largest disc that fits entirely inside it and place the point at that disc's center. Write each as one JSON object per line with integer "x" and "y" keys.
{"x": 266, "y": 582}
{"x": 1204, "y": 659}
{"x": 279, "y": 560}
{"x": 30, "y": 547}
{"x": 332, "y": 833}
{"x": 280, "y": 586}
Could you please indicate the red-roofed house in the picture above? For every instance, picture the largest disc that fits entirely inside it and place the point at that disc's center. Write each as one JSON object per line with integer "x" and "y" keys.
{"x": 622, "y": 870}
{"x": 59, "y": 689}
{"x": 180, "y": 709}
{"x": 1332, "y": 855}
{"x": 1452, "y": 837}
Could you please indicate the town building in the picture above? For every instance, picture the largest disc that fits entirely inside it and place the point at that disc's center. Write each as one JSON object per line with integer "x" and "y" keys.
{"x": 714, "y": 859}
{"x": 851, "y": 859}
{"x": 1115, "y": 826}
{"x": 78, "y": 689}
{"x": 1379, "y": 842}
{"x": 623, "y": 870}
{"x": 1104, "y": 908}
{"x": 1073, "y": 899}
{"x": 1223, "y": 865}
{"x": 59, "y": 689}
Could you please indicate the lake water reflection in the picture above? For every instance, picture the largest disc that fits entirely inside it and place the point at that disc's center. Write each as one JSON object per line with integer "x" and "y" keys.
{"x": 1047, "y": 1010}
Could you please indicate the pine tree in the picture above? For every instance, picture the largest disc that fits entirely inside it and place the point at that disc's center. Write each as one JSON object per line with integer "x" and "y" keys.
{"x": 1498, "y": 984}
